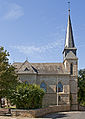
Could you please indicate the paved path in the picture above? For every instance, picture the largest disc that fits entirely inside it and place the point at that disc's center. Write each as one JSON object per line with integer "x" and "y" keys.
{"x": 61, "y": 115}
{"x": 4, "y": 117}
{"x": 67, "y": 115}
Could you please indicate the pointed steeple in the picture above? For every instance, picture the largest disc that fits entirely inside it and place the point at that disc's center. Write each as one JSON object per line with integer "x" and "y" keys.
{"x": 69, "y": 49}
{"x": 69, "y": 43}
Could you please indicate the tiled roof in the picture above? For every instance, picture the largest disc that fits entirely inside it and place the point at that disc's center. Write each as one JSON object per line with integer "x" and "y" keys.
{"x": 40, "y": 68}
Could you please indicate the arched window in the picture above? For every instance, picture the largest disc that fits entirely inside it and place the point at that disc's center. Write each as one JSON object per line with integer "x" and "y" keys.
{"x": 43, "y": 86}
{"x": 60, "y": 87}
{"x": 71, "y": 68}
{"x": 26, "y": 82}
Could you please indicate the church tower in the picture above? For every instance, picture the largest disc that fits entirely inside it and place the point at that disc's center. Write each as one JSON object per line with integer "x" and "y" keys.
{"x": 70, "y": 61}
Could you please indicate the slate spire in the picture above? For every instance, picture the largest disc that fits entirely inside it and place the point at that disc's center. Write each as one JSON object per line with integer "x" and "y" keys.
{"x": 69, "y": 48}
{"x": 69, "y": 43}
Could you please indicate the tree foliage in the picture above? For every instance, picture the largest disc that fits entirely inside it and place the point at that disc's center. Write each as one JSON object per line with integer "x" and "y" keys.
{"x": 27, "y": 96}
{"x": 8, "y": 78}
{"x": 20, "y": 94}
{"x": 8, "y": 82}
{"x": 3, "y": 60}
{"x": 81, "y": 84}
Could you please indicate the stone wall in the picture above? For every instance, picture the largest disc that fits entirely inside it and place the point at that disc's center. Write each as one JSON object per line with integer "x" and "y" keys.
{"x": 81, "y": 108}
{"x": 40, "y": 112}
{"x": 50, "y": 97}
{"x": 74, "y": 91}
{"x": 73, "y": 81}
{"x": 31, "y": 79}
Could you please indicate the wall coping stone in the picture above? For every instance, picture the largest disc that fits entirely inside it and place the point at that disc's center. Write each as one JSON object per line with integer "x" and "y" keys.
{"x": 40, "y": 112}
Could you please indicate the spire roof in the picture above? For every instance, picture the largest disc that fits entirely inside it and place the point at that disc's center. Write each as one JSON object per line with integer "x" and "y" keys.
{"x": 69, "y": 43}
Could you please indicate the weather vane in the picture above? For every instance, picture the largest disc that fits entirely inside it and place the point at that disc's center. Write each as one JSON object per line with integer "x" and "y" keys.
{"x": 69, "y": 7}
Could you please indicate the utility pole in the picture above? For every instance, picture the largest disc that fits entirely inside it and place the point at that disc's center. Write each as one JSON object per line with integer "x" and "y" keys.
{"x": 57, "y": 91}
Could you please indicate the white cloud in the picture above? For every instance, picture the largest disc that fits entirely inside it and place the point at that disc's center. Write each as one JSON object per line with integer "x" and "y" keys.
{"x": 15, "y": 11}
{"x": 34, "y": 49}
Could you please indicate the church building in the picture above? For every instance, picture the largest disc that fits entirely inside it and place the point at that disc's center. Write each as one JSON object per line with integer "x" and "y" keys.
{"x": 59, "y": 80}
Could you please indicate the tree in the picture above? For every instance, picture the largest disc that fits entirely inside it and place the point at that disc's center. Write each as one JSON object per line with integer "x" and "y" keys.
{"x": 8, "y": 78}
{"x": 8, "y": 82}
{"x": 3, "y": 60}
{"x": 27, "y": 96}
{"x": 81, "y": 84}
{"x": 19, "y": 94}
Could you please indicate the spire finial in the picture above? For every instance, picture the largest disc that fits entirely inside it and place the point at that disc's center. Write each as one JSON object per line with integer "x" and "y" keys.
{"x": 27, "y": 58}
{"x": 69, "y": 7}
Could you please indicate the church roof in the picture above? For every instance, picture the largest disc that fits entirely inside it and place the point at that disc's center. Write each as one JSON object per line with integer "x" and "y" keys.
{"x": 69, "y": 43}
{"x": 40, "y": 68}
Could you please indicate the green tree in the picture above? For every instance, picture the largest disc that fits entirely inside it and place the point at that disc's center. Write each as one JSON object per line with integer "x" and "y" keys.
{"x": 3, "y": 60}
{"x": 27, "y": 96}
{"x": 8, "y": 78}
{"x": 81, "y": 84}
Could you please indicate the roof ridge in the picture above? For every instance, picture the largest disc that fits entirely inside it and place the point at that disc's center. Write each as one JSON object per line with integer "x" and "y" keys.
{"x": 38, "y": 63}
{"x": 47, "y": 63}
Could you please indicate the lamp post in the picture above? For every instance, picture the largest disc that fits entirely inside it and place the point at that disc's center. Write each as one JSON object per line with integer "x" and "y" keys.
{"x": 57, "y": 91}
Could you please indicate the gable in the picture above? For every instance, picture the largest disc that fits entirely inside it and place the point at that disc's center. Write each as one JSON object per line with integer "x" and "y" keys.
{"x": 71, "y": 55}
{"x": 26, "y": 68}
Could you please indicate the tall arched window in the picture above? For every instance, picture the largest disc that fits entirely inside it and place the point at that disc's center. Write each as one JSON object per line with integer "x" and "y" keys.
{"x": 60, "y": 87}
{"x": 26, "y": 82}
{"x": 71, "y": 68}
{"x": 43, "y": 86}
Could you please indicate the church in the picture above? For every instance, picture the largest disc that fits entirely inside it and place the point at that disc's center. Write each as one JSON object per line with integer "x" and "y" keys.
{"x": 58, "y": 80}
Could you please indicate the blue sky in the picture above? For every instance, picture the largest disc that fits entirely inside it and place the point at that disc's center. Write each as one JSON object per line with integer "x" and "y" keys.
{"x": 35, "y": 29}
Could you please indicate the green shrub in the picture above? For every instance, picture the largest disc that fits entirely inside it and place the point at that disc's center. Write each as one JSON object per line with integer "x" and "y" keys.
{"x": 27, "y": 96}
{"x": 81, "y": 85}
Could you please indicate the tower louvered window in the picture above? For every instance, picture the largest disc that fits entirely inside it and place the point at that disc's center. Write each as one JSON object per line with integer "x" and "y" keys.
{"x": 71, "y": 69}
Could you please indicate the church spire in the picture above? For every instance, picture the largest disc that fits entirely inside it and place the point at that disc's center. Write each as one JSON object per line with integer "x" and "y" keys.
{"x": 69, "y": 49}
{"x": 69, "y": 43}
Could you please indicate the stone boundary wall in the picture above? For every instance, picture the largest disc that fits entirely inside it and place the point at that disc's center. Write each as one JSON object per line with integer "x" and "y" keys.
{"x": 81, "y": 108}
{"x": 40, "y": 112}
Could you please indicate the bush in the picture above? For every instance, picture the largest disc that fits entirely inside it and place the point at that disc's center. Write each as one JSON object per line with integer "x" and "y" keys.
{"x": 27, "y": 96}
{"x": 81, "y": 85}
